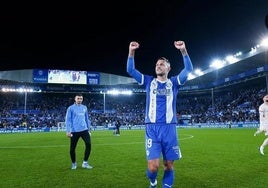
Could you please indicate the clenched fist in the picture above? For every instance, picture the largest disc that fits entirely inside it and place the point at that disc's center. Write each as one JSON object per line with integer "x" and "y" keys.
{"x": 134, "y": 45}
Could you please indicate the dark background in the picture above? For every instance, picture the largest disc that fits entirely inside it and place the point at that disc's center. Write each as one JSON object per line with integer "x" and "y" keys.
{"x": 94, "y": 36}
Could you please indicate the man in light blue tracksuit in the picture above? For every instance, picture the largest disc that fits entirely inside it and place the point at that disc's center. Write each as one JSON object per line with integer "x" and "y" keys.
{"x": 78, "y": 125}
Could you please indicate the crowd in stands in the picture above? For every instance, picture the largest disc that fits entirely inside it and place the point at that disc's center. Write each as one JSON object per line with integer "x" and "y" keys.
{"x": 232, "y": 106}
{"x": 35, "y": 110}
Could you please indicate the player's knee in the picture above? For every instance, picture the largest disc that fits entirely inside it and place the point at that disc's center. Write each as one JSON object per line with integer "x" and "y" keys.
{"x": 153, "y": 165}
{"x": 168, "y": 165}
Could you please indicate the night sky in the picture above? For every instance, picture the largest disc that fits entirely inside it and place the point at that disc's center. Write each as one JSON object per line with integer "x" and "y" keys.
{"x": 95, "y": 36}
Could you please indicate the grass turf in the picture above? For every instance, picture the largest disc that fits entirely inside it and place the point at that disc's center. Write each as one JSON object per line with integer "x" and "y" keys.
{"x": 210, "y": 158}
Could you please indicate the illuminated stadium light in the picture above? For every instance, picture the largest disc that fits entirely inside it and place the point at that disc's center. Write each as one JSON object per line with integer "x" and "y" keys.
{"x": 217, "y": 64}
{"x": 23, "y": 90}
{"x": 119, "y": 92}
{"x": 191, "y": 76}
{"x": 198, "y": 72}
{"x": 253, "y": 50}
{"x": 29, "y": 90}
{"x": 231, "y": 59}
{"x": 8, "y": 90}
{"x": 19, "y": 90}
{"x": 238, "y": 54}
{"x": 113, "y": 92}
{"x": 264, "y": 42}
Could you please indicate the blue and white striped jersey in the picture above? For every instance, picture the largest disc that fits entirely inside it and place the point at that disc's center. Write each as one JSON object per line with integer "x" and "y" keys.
{"x": 161, "y": 97}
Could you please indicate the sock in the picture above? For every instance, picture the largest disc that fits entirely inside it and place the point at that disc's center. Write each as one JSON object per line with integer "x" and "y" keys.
{"x": 265, "y": 143}
{"x": 151, "y": 176}
{"x": 168, "y": 178}
{"x": 257, "y": 132}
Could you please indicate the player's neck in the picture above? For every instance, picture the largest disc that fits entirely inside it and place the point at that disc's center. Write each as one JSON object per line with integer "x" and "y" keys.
{"x": 162, "y": 77}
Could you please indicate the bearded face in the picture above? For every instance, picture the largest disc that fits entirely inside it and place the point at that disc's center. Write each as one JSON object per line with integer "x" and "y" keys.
{"x": 162, "y": 67}
{"x": 78, "y": 99}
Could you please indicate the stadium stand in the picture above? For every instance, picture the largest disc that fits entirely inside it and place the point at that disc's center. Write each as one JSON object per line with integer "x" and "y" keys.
{"x": 229, "y": 96}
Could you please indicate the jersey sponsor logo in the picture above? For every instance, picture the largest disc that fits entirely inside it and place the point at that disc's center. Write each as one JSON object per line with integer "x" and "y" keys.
{"x": 165, "y": 92}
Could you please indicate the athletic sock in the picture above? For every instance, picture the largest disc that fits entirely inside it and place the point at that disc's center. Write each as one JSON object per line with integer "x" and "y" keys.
{"x": 151, "y": 175}
{"x": 168, "y": 178}
{"x": 265, "y": 142}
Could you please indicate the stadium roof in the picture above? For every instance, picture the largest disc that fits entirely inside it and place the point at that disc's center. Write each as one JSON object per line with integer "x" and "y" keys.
{"x": 253, "y": 67}
{"x": 239, "y": 69}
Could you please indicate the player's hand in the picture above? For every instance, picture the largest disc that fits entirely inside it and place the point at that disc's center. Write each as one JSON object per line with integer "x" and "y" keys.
{"x": 69, "y": 135}
{"x": 134, "y": 45}
{"x": 180, "y": 45}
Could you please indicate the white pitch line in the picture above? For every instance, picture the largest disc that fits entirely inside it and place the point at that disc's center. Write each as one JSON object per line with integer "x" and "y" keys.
{"x": 188, "y": 137}
{"x": 54, "y": 146}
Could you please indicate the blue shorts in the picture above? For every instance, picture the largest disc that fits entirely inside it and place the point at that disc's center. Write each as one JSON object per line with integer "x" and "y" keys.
{"x": 162, "y": 139}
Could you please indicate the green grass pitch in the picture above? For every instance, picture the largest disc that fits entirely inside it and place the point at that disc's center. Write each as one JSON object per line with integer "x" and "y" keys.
{"x": 223, "y": 158}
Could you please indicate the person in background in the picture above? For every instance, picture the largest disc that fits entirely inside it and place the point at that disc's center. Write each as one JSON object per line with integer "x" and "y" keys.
{"x": 161, "y": 116}
{"x": 117, "y": 127}
{"x": 78, "y": 125}
{"x": 263, "y": 118}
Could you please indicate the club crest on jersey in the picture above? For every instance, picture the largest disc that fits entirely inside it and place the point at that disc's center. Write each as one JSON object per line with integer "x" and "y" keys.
{"x": 169, "y": 84}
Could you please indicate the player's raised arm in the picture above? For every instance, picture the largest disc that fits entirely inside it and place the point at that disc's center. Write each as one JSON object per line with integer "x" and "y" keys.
{"x": 131, "y": 70}
{"x": 132, "y": 47}
{"x": 188, "y": 66}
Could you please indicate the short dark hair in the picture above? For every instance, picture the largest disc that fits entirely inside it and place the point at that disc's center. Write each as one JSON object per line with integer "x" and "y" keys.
{"x": 79, "y": 94}
{"x": 163, "y": 58}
